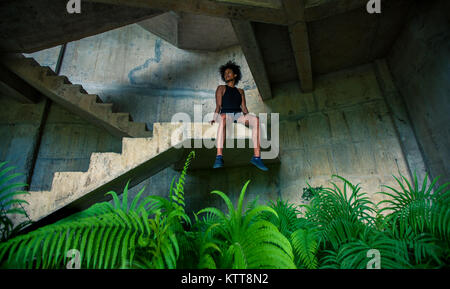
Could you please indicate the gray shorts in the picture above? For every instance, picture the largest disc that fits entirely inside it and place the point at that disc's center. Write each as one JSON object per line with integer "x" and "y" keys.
{"x": 233, "y": 115}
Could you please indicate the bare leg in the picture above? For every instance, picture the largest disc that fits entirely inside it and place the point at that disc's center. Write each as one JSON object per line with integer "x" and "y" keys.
{"x": 253, "y": 121}
{"x": 221, "y": 133}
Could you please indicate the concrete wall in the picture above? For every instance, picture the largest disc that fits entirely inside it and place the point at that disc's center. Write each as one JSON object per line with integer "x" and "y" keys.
{"x": 19, "y": 134}
{"x": 66, "y": 140}
{"x": 343, "y": 127}
{"x": 420, "y": 64}
{"x": 130, "y": 66}
{"x": 67, "y": 144}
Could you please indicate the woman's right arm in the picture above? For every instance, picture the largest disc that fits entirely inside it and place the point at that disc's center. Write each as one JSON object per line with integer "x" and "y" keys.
{"x": 219, "y": 94}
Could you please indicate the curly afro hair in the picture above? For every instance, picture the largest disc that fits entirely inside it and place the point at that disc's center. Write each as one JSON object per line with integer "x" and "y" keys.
{"x": 236, "y": 70}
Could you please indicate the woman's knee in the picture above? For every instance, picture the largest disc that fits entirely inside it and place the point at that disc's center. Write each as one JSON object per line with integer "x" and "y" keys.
{"x": 223, "y": 118}
{"x": 254, "y": 121}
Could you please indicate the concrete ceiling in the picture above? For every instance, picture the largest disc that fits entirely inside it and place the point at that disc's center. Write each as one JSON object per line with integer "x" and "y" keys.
{"x": 281, "y": 40}
{"x": 192, "y": 31}
{"x": 30, "y": 25}
{"x": 355, "y": 37}
{"x": 336, "y": 42}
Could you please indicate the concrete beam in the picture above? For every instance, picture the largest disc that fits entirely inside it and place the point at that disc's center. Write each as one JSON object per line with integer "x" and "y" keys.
{"x": 266, "y": 11}
{"x": 257, "y": 3}
{"x": 247, "y": 12}
{"x": 46, "y": 23}
{"x": 164, "y": 26}
{"x": 321, "y": 9}
{"x": 401, "y": 121}
{"x": 298, "y": 33}
{"x": 247, "y": 39}
{"x": 13, "y": 86}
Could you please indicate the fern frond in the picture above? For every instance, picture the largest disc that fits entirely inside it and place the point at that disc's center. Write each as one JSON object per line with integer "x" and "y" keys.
{"x": 249, "y": 241}
{"x": 305, "y": 245}
{"x": 286, "y": 219}
{"x": 10, "y": 202}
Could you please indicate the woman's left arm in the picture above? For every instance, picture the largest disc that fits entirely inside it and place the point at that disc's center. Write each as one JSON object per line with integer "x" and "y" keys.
{"x": 243, "y": 105}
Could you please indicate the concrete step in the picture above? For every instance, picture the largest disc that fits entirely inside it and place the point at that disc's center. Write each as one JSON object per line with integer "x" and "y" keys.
{"x": 31, "y": 61}
{"x": 140, "y": 159}
{"x": 139, "y": 129}
{"x": 73, "y": 97}
{"x": 48, "y": 71}
{"x": 56, "y": 80}
{"x": 103, "y": 110}
{"x": 70, "y": 92}
{"x": 103, "y": 164}
{"x": 87, "y": 102}
{"x": 120, "y": 119}
{"x": 65, "y": 184}
{"x": 138, "y": 148}
{"x": 78, "y": 88}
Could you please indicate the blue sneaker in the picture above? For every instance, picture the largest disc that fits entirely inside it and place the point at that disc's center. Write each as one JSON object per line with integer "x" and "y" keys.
{"x": 219, "y": 162}
{"x": 258, "y": 163}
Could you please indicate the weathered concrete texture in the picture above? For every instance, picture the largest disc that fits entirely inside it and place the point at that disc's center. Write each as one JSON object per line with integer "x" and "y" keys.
{"x": 146, "y": 76}
{"x": 139, "y": 159}
{"x": 356, "y": 37}
{"x": 187, "y": 31}
{"x": 47, "y": 57}
{"x": 67, "y": 144}
{"x": 420, "y": 64}
{"x": 73, "y": 97}
{"x": 19, "y": 128}
{"x": 343, "y": 127}
{"x": 164, "y": 25}
{"x": 245, "y": 32}
{"x": 13, "y": 86}
{"x": 276, "y": 49}
{"x": 29, "y": 25}
{"x": 192, "y": 30}
{"x": 397, "y": 107}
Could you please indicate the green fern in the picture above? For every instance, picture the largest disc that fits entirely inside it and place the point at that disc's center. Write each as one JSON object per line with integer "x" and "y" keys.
{"x": 106, "y": 236}
{"x": 340, "y": 215}
{"x": 354, "y": 254}
{"x": 419, "y": 208}
{"x": 103, "y": 234}
{"x": 287, "y": 221}
{"x": 249, "y": 242}
{"x": 161, "y": 250}
{"x": 10, "y": 203}
{"x": 173, "y": 244}
{"x": 306, "y": 244}
{"x": 420, "y": 219}
{"x": 177, "y": 193}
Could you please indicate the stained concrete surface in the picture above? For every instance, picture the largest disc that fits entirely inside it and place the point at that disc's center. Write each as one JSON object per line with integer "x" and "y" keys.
{"x": 19, "y": 130}
{"x": 420, "y": 64}
{"x": 67, "y": 144}
{"x": 344, "y": 127}
{"x": 29, "y": 25}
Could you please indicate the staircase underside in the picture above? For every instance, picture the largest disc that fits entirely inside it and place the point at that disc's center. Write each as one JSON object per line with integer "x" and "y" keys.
{"x": 30, "y": 25}
{"x": 73, "y": 97}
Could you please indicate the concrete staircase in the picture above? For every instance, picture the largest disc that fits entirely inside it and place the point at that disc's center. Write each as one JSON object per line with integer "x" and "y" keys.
{"x": 140, "y": 158}
{"x": 73, "y": 97}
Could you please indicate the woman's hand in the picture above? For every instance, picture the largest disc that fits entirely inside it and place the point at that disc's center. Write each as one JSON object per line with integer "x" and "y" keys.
{"x": 214, "y": 118}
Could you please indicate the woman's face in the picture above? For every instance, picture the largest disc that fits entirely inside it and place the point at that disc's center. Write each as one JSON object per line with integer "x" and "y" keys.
{"x": 229, "y": 75}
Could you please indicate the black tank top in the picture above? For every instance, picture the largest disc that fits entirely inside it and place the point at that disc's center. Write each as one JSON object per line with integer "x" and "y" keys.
{"x": 231, "y": 100}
